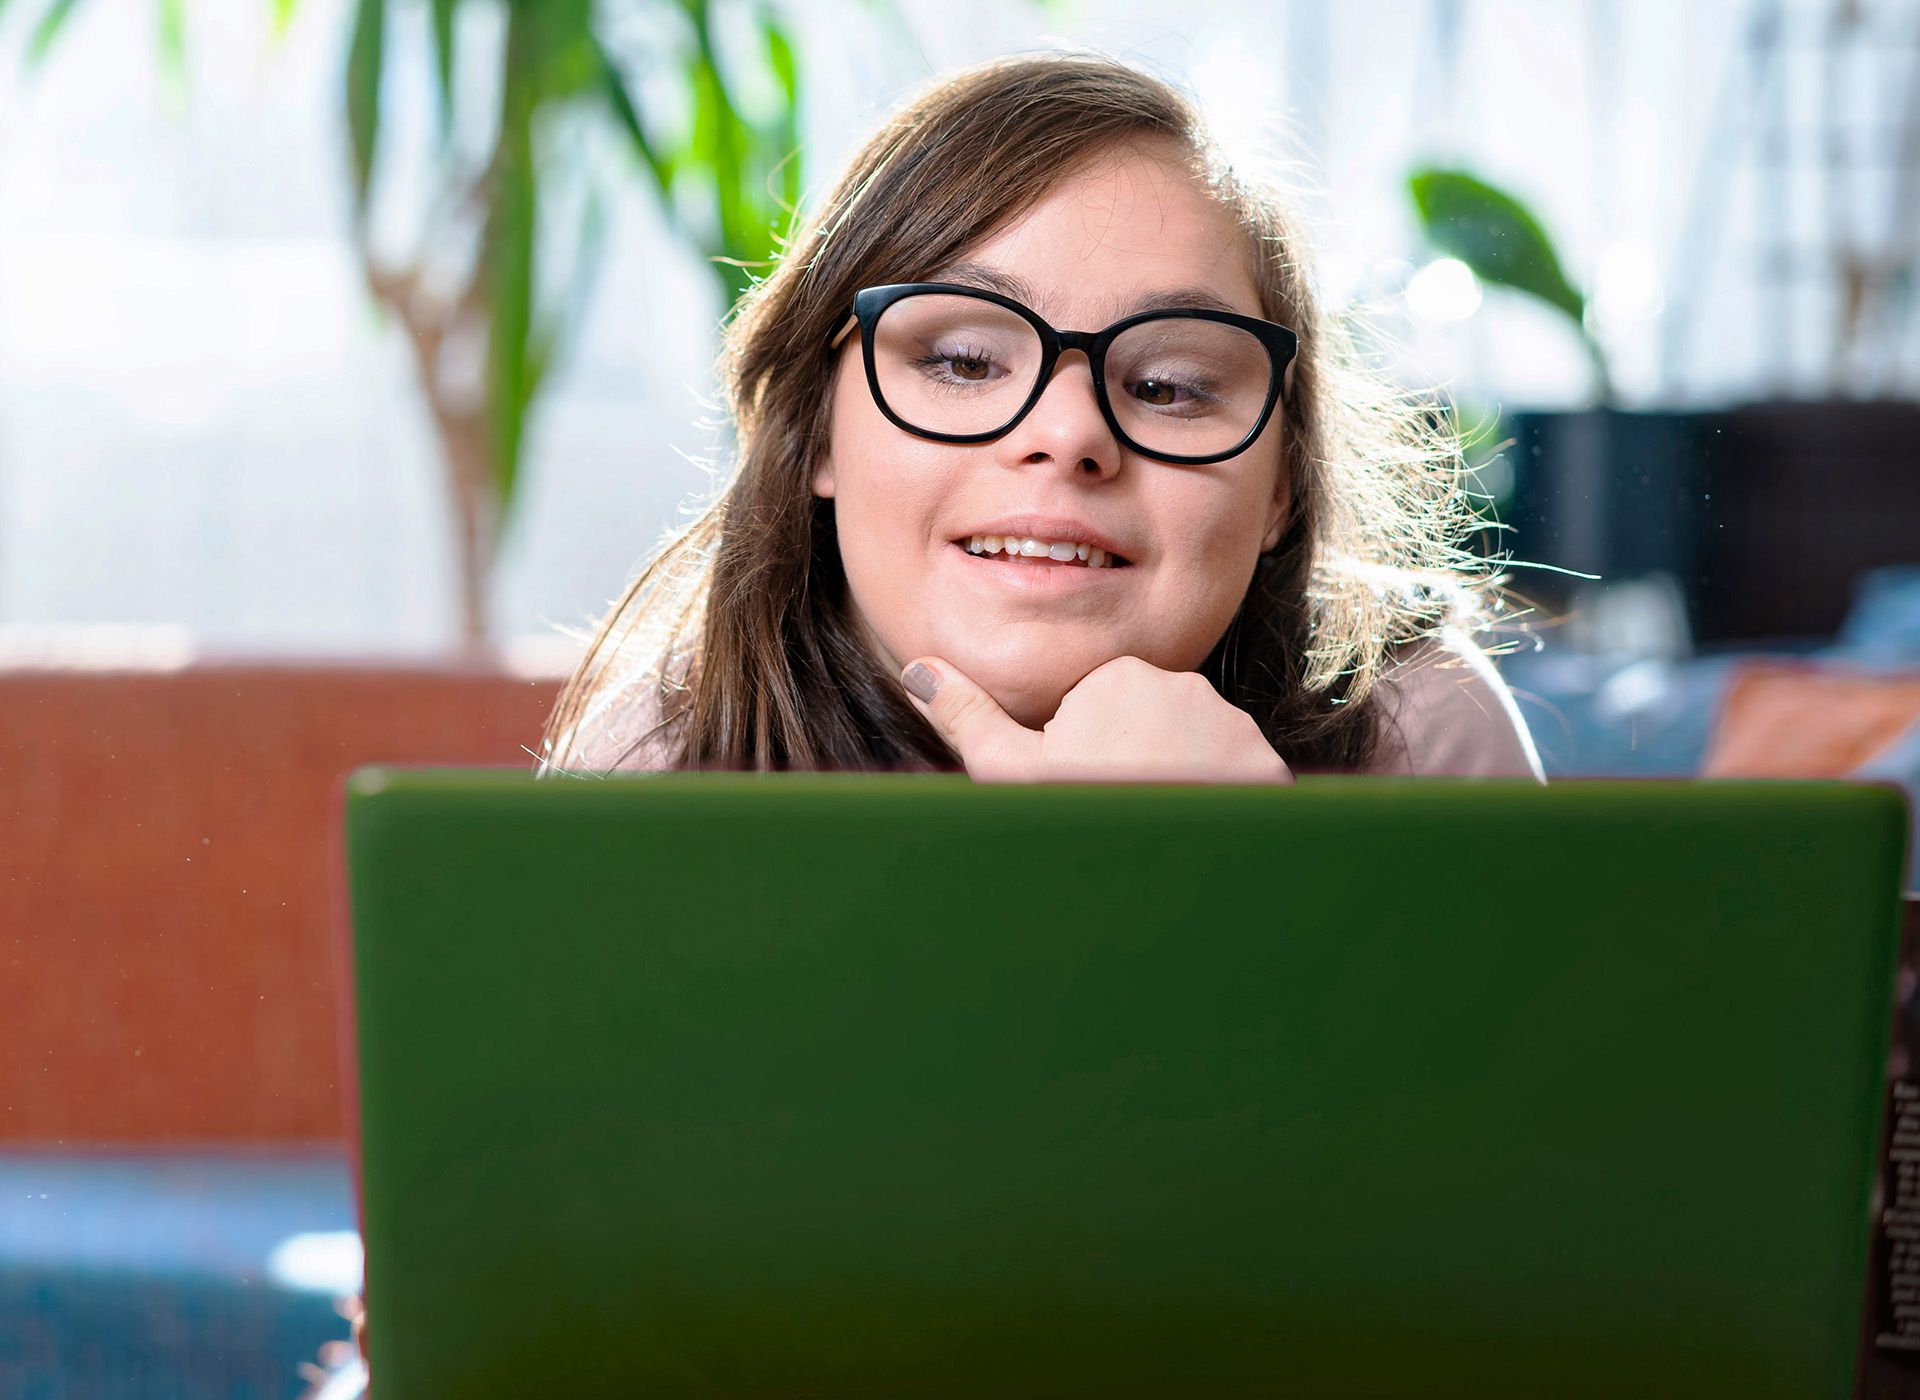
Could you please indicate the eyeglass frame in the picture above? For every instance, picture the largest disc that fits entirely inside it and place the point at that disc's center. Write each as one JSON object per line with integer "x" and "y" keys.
{"x": 869, "y": 303}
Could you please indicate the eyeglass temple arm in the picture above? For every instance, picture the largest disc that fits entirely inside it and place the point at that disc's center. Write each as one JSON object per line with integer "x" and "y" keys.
{"x": 845, "y": 331}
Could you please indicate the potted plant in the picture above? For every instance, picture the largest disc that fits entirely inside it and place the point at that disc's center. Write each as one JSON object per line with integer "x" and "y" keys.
{"x": 728, "y": 178}
{"x": 1599, "y": 492}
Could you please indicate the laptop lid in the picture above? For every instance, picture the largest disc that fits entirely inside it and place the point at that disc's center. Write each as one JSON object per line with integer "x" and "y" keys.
{"x": 754, "y": 1085}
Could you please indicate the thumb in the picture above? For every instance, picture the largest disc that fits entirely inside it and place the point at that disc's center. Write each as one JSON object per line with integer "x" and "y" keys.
{"x": 993, "y": 745}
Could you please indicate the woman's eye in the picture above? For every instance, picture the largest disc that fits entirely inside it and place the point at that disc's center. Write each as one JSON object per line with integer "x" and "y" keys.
{"x": 1169, "y": 393}
{"x": 958, "y": 366}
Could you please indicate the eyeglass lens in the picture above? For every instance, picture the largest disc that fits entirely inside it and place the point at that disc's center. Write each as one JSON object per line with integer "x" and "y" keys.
{"x": 959, "y": 365}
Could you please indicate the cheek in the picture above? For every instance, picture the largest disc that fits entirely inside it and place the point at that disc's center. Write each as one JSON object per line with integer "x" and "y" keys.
{"x": 892, "y": 496}
{"x": 885, "y": 481}
{"x": 1216, "y": 532}
{"x": 1204, "y": 574}
{"x": 889, "y": 500}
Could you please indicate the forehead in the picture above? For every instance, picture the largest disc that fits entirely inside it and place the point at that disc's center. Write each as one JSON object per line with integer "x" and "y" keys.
{"x": 1132, "y": 232}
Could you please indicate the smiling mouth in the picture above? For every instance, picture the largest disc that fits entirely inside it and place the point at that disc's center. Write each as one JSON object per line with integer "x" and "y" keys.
{"x": 1017, "y": 553}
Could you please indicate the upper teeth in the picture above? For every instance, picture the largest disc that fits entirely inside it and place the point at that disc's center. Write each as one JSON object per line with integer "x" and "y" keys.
{"x": 1092, "y": 556}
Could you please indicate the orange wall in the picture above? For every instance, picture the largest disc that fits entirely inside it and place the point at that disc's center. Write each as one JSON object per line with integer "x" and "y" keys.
{"x": 166, "y": 918}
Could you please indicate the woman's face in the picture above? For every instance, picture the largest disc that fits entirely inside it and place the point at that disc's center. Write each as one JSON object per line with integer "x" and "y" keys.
{"x": 1125, "y": 230}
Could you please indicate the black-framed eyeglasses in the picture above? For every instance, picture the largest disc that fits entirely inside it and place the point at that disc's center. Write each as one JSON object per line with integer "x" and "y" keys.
{"x": 961, "y": 364}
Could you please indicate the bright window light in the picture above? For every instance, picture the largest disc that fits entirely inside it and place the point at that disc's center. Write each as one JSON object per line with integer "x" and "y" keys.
{"x": 1443, "y": 290}
{"x": 321, "y": 1261}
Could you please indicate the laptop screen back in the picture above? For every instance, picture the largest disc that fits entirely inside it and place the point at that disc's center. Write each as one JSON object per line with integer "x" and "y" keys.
{"x": 751, "y": 1085}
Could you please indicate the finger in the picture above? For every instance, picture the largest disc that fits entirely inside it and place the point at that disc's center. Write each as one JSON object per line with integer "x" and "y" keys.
{"x": 993, "y": 745}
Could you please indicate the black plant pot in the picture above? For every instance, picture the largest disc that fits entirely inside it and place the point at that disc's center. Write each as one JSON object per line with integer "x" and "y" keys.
{"x": 1604, "y": 492}
{"x": 1764, "y": 515}
{"x": 1806, "y": 498}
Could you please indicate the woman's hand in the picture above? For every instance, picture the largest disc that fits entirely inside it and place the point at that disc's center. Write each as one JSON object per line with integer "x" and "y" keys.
{"x": 1126, "y": 721}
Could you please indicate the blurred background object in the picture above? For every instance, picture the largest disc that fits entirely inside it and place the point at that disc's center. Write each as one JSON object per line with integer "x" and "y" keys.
{"x": 348, "y": 328}
{"x": 483, "y": 247}
{"x": 350, "y": 350}
{"x": 504, "y": 257}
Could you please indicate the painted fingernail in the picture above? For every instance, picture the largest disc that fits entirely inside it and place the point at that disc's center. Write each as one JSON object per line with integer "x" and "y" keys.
{"x": 923, "y": 681}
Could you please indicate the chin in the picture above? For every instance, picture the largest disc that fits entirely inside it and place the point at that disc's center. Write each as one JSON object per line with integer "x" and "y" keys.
{"x": 1031, "y": 713}
{"x": 1027, "y": 702}
{"x": 1026, "y": 681}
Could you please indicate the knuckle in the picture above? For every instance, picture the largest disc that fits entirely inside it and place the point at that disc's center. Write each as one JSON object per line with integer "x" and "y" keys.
{"x": 1120, "y": 674}
{"x": 992, "y": 764}
{"x": 962, "y": 706}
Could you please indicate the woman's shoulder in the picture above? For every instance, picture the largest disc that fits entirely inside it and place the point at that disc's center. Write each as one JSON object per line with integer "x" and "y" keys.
{"x": 634, "y": 725}
{"x": 1447, "y": 712}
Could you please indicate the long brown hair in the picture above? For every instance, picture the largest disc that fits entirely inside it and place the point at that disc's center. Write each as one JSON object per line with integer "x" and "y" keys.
{"x": 745, "y": 612}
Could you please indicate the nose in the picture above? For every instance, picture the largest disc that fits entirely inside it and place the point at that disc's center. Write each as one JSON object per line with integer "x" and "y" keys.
{"x": 1066, "y": 425}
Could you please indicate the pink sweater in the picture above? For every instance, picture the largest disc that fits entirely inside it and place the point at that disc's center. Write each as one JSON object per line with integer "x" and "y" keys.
{"x": 1445, "y": 713}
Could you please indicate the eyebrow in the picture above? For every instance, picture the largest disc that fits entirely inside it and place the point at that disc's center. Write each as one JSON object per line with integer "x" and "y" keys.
{"x": 992, "y": 279}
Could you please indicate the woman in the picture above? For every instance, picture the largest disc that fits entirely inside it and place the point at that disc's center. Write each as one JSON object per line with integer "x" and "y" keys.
{"x": 949, "y": 547}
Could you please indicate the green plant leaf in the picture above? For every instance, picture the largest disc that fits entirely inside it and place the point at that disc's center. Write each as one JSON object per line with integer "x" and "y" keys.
{"x": 540, "y": 352}
{"x": 172, "y": 20}
{"x": 572, "y": 67}
{"x": 554, "y": 56}
{"x": 620, "y": 103}
{"x": 364, "y": 60}
{"x": 720, "y": 144}
{"x": 1497, "y": 236}
{"x": 1493, "y": 233}
{"x": 509, "y": 245}
{"x": 785, "y": 132}
{"x": 48, "y": 30}
{"x": 780, "y": 58}
{"x": 443, "y": 64}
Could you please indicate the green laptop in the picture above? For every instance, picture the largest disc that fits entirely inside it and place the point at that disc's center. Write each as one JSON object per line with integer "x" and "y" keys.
{"x": 847, "y": 1086}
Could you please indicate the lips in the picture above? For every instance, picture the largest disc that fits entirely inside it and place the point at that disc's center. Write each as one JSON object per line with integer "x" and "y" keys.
{"x": 1051, "y": 528}
{"x": 1014, "y": 551}
{"x": 1035, "y": 577}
